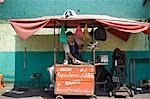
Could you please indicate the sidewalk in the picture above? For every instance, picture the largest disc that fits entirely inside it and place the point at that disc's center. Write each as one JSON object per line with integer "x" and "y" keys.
{"x": 9, "y": 86}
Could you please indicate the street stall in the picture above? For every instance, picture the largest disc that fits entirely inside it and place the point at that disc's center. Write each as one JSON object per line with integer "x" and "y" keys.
{"x": 73, "y": 79}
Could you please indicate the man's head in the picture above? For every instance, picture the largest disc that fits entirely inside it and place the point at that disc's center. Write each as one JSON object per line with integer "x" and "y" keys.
{"x": 70, "y": 37}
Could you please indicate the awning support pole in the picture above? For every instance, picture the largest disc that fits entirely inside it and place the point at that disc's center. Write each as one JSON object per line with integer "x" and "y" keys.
{"x": 54, "y": 45}
{"x": 93, "y": 40}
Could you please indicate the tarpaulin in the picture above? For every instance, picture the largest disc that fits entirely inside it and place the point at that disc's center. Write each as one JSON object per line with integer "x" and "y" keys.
{"x": 26, "y": 27}
{"x": 122, "y": 35}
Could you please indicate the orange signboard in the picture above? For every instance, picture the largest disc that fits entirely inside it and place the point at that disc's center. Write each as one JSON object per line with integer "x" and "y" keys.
{"x": 75, "y": 73}
{"x": 74, "y": 79}
{"x": 75, "y": 68}
{"x": 74, "y": 88}
{"x": 74, "y": 76}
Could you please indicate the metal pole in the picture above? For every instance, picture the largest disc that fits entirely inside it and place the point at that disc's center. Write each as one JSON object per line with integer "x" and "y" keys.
{"x": 129, "y": 70}
{"x": 134, "y": 71}
{"x": 93, "y": 50}
{"x": 58, "y": 46}
{"x": 54, "y": 45}
{"x": 24, "y": 63}
{"x": 24, "y": 66}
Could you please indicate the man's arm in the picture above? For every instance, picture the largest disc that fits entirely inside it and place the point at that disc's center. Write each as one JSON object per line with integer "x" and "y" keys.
{"x": 70, "y": 55}
{"x": 67, "y": 52}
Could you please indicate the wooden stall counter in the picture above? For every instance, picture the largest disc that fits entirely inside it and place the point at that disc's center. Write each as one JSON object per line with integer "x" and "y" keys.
{"x": 74, "y": 79}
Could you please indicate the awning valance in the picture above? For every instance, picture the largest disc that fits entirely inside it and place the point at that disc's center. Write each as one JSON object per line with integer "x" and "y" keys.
{"x": 27, "y": 27}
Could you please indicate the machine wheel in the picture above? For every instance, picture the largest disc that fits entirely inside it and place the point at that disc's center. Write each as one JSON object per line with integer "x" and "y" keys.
{"x": 59, "y": 97}
{"x": 110, "y": 94}
{"x": 93, "y": 97}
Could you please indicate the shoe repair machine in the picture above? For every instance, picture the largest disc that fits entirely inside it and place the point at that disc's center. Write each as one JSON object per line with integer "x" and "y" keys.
{"x": 119, "y": 74}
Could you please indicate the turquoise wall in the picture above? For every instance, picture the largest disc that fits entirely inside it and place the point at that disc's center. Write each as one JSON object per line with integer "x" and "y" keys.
{"x": 39, "y": 62}
{"x": 34, "y": 8}
{"x": 7, "y": 65}
{"x": 36, "y": 62}
{"x": 40, "y": 57}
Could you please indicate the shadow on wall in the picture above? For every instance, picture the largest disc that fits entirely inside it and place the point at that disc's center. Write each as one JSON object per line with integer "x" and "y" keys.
{"x": 34, "y": 55}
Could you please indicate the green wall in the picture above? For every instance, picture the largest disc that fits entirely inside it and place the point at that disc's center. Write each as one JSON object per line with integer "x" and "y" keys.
{"x": 40, "y": 54}
{"x": 40, "y": 46}
{"x": 34, "y": 8}
{"x": 7, "y": 65}
{"x": 38, "y": 62}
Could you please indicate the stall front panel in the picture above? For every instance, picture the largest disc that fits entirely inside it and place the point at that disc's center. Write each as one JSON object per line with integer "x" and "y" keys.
{"x": 74, "y": 80}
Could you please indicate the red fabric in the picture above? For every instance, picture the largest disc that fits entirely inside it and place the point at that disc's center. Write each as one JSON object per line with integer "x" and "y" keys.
{"x": 1, "y": 1}
{"x": 147, "y": 31}
{"x": 78, "y": 33}
{"x": 26, "y": 27}
{"x": 122, "y": 35}
{"x": 132, "y": 27}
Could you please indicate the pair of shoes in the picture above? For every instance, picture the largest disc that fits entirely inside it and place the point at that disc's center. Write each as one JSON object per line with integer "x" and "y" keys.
{"x": 51, "y": 85}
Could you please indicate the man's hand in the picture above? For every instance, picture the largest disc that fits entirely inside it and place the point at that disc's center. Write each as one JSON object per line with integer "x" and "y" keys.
{"x": 75, "y": 61}
{"x": 65, "y": 62}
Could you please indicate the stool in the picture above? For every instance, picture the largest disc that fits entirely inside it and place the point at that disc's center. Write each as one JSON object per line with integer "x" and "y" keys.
{"x": 2, "y": 83}
{"x": 36, "y": 79}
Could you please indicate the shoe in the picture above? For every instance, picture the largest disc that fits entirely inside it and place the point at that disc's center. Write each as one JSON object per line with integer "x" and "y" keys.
{"x": 51, "y": 85}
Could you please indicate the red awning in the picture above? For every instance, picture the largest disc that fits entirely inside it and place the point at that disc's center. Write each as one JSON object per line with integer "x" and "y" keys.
{"x": 27, "y": 27}
{"x": 122, "y": 35}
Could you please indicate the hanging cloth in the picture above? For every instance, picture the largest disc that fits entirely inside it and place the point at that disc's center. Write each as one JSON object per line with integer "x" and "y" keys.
{"x": 100, "y": 33}
{"x": 122, "y": 35}
{"x": 78, "y": 33}
{"x": 63, "y": 37}
{"x": 86, "y": 33}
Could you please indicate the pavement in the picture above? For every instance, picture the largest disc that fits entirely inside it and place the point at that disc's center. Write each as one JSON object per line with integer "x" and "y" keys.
{"x": 38, "y": 94}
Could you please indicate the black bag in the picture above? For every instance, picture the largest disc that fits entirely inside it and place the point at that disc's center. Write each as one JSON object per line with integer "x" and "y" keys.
{"x": 119, "y": 56}
{"x": 100, "y": 33}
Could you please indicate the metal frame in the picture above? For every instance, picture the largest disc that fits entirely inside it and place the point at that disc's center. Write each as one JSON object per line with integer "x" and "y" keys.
{"x": 55, "y": 51}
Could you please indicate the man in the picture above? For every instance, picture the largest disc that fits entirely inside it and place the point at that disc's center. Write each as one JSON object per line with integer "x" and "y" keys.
{"x": 73, "y": 49}
{"x": 72, "y": 53}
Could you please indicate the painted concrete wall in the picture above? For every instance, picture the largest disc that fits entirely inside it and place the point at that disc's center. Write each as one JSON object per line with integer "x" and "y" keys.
{"x": 34, "y": 8}
{"x": 40, "y": 46}
{"x": 45, "y": 38}
{"x": 40, "y": 52}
